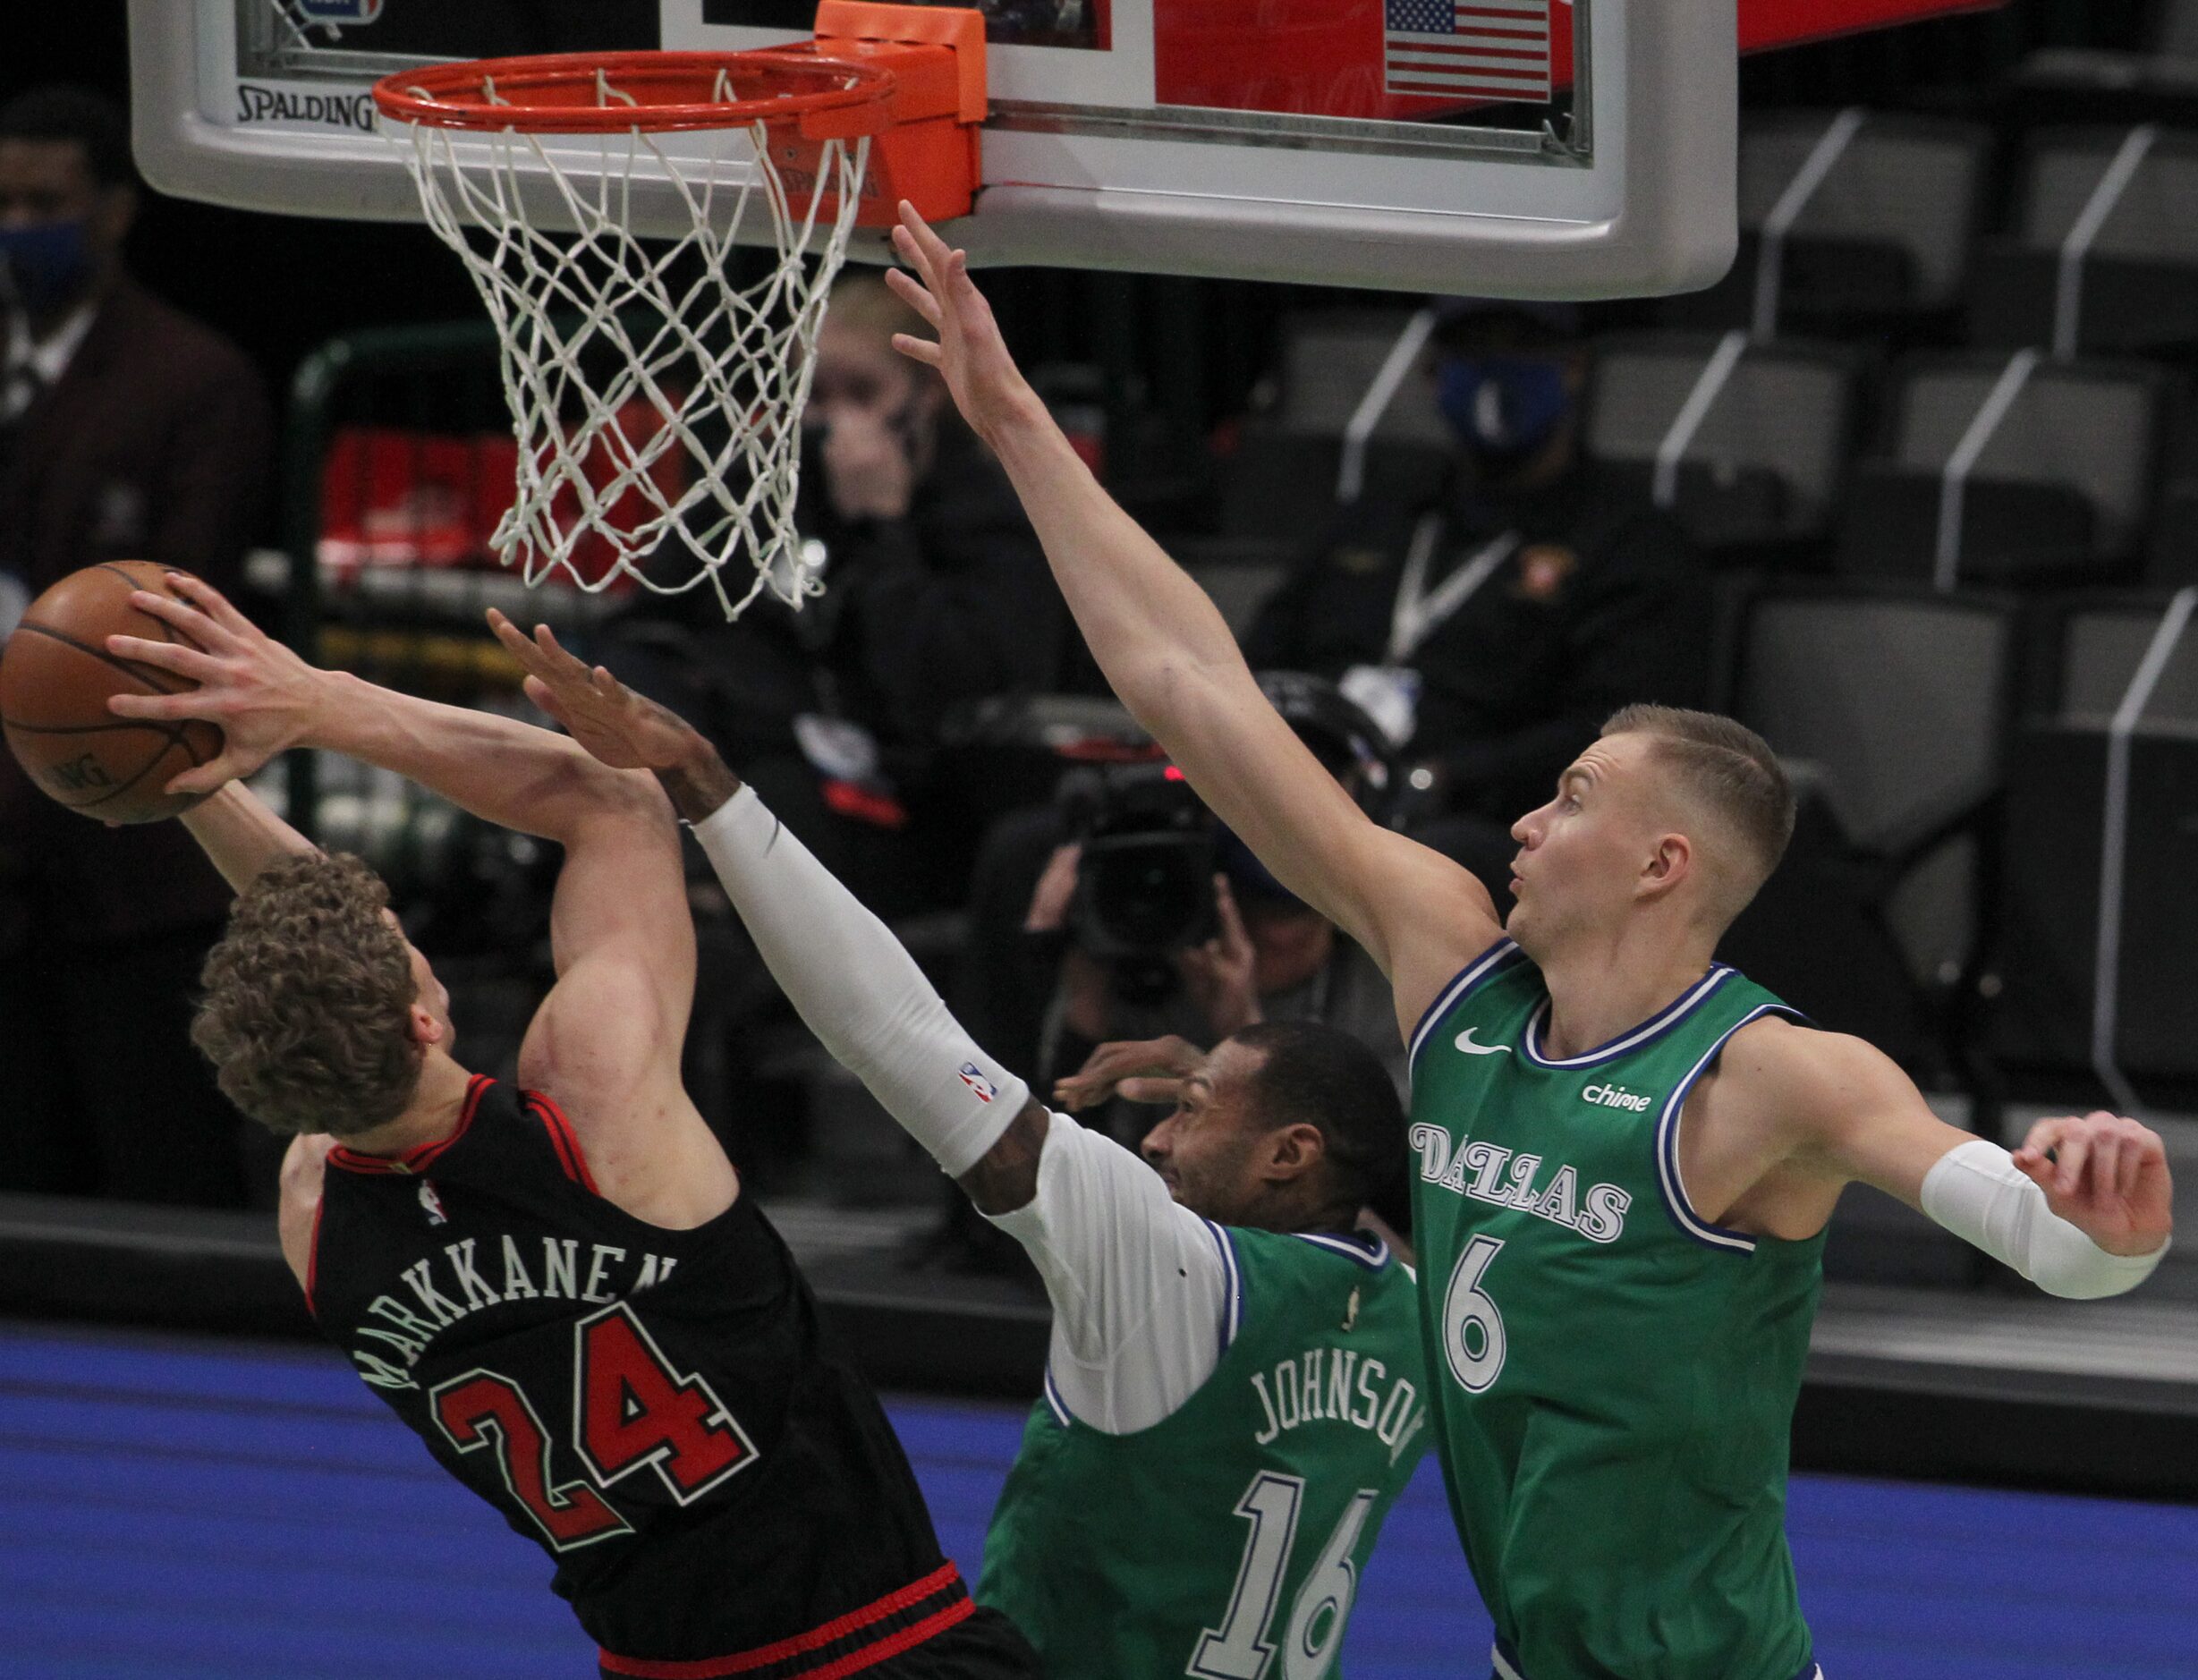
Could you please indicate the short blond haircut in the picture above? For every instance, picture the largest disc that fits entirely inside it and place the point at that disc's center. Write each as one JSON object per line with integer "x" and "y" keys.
{"x": 307, "y": 996}
{"x": 1727, "y": 770}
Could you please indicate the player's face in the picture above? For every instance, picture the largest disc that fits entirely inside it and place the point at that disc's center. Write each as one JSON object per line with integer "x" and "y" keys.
{"x": 1580, "y": 855}
{"x": 428, "y": 992}
{"x": 1204, "y": 1151}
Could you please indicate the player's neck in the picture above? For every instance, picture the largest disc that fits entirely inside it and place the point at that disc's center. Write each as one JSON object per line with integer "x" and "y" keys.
{"x": 432, "y": 1116}
{"x": 1599, "y": 992}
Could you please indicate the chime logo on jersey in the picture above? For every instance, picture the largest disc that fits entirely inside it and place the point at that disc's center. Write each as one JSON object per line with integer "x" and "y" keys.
{"x": 432, "y": 1202}
{"x": 975, "y": 1080}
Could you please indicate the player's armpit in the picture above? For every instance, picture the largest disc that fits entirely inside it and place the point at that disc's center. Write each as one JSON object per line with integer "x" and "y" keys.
{"x": 299, "y": 1209}
{"x": 1006, "y": 1177}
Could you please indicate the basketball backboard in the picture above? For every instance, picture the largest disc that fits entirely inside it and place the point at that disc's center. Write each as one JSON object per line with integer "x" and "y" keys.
{"x": 1530, "y": 148}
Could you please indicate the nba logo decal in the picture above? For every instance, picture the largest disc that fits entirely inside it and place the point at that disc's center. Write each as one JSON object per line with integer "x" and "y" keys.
{"x": 985, "y": 1088}
{"x": 339, "y": 11}
{"x": 433, "y": 1203}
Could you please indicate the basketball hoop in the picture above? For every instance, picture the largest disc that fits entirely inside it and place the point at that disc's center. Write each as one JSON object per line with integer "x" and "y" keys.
{"x": 656, "y": 401}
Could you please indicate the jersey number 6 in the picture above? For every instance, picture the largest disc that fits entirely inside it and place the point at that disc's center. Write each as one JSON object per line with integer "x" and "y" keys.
{"x": 630, "y": 1408}
{"x": 1472, "y": 1330}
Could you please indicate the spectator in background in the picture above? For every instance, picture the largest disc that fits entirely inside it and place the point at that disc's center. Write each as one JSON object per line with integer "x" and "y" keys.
{"x": 936, "y": 595}
{"x": 1492, "y": 634}
{"x": 127, "y": 431}
{"x": 1032, "y": 978}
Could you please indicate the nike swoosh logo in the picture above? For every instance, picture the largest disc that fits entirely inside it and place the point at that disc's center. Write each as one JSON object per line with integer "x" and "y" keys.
{"x": 1465, "y": 1043}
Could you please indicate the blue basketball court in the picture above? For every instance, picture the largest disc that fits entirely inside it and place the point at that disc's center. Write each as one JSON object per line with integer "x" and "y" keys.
{"x": 191, "y": 1509}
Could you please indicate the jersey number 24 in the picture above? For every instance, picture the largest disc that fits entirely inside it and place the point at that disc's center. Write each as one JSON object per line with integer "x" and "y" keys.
{"x": 630, "y": 1409}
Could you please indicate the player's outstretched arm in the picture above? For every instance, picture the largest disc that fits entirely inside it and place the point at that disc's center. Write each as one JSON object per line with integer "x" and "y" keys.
{"x": 2084, "y": 1209}
{"x": 607, "y": 1040}
{"x": 1170, "y": 658}
{"x": 855, "y": 985}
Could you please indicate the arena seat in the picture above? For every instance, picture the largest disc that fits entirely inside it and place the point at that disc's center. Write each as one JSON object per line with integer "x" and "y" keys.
{"x": 2058, "y": 490}
{"x": 2136, "y": 288}
{"x": 2045, "y": 967}
{"x": 1883, "y": 239}
{"x": 1761, "y": 465}
{"x": 1892, "y": 704}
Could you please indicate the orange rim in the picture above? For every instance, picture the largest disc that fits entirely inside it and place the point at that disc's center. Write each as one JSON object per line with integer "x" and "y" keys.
{"x": 558, "y": 93}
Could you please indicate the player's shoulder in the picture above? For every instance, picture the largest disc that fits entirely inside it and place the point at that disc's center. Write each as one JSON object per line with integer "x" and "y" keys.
{"x": 1806, "y": 1075}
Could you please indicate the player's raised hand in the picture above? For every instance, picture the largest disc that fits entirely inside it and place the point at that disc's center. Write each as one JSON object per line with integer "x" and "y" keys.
{"x": 969, "y": 352}
{"x": 2107, "y": 1176}
{"x": 1140, "y": 1070}
{"x": 626, "y": 730}
{"x": 265, "y": 698}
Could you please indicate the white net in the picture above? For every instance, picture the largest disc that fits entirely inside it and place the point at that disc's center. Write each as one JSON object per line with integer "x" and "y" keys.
{"x": 655, "y": 398}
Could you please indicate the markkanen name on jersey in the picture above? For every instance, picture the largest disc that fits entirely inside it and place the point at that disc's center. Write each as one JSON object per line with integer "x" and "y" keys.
{"x": 461, "y": 1287}
{"x": 1489, "y": 1173}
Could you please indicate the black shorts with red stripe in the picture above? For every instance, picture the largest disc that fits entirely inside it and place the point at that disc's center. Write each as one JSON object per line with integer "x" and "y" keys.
{"x": 929, "y": 1629}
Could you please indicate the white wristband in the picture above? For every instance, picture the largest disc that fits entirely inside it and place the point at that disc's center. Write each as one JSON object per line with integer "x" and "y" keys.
{"x": 1976, "y": 1191}
{"x": 858, "y": 989}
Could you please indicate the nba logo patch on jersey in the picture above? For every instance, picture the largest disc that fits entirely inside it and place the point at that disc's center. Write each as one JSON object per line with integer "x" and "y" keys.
{"x": 432, "y": 1202}
{"x": 985, "y": 1088}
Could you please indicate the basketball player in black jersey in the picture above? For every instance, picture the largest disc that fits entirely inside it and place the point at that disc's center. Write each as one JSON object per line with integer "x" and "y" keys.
{"x": 559, "y": 1286}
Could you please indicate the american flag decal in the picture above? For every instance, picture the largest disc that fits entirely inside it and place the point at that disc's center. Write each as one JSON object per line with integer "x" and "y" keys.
{"x": 1467, "y": 49}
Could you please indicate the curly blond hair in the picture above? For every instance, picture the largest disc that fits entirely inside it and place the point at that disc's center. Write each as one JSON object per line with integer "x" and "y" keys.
{"x": 305, "y": 1001}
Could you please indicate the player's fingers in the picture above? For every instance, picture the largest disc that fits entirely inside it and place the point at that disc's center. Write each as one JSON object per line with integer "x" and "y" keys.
{"x": 2131, "y": 1162}
{"x": 924, "y": 350}
{"x": 206, "y": 631}
{"x": 211, "y": 602}
{"x": 905, "y": 286}
{"x": 2102, "y": 1163}
{"x": 2033, "y": 1166}
{"x": 159, "y": 707}
{"x": 919, "y": 245}
{"x": 545, "y": 697}
{"x": 206, "y": 777}
{"x": 2070, "y": 1154}
{"x": 167, "y": 655}
{"x": 2046, "y": 1134}
{"x": 1150, "y": 1087}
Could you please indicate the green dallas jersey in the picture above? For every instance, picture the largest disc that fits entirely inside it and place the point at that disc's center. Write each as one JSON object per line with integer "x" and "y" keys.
{"x": 1225, "y": 1542}
{"x": 1612, "y": 1376}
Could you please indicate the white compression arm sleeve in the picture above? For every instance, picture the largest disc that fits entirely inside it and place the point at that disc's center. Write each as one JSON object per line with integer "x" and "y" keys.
{"x": 858, "y": 990}
{"x": 1976, "y": 1191}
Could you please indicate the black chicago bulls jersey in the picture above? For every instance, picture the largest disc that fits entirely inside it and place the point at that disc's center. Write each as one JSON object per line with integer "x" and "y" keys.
{"x": 655, "y": 1408}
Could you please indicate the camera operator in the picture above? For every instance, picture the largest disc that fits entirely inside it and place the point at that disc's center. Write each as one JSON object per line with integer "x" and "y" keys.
{"x": 1124, "y": 911}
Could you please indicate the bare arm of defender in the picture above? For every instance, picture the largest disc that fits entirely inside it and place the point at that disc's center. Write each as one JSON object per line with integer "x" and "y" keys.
{"x": 606, "y": 1041}
{"x": 1138, "y": 1284}
{"x": 2084, "y": 1207}
{"x": 1170, "y": 658}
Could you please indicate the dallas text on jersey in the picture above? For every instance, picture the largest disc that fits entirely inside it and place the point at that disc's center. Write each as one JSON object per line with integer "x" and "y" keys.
{"x": 1489, "y": 1172}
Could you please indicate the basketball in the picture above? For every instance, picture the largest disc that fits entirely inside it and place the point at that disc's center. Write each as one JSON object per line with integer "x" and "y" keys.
{"x": 56, "y": 676}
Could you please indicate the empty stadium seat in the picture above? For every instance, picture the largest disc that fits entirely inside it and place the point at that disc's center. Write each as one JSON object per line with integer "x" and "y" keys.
{"x": 2045, "y": 967}
{"x": 1759, "y": 463}
{"x": 1891, "y": 705}
{"x": 1884, "y": 234}
{"x": 2058, "y": 490}
{"x": 2092, "y": 84}
{"x": 2136, "y": 288}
